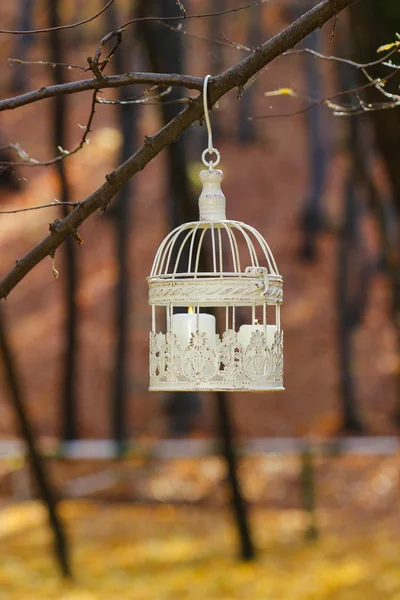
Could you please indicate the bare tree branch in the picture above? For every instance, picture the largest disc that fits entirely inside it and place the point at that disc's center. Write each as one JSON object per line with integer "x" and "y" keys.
{"x": 113, "y": 81}
{"x": 70, "y": 26}
{"x": 29, "y": 161}
{"x": 235, "y": 76}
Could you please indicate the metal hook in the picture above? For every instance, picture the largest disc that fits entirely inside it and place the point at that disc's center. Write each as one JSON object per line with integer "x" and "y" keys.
{"x": 210, "y": 150}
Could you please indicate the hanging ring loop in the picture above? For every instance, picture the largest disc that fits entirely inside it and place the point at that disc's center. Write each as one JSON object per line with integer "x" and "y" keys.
{"x": 210, "y": 150}
{"x": 211, "y": 163}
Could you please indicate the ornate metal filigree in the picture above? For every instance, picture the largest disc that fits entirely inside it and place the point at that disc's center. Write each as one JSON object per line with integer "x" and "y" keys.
{"x": 216, "y": 291}
{"x": 226, "y": 365}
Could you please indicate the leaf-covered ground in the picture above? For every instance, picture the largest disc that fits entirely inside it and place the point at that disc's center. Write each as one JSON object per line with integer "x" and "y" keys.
{"x": 164, "y": 553}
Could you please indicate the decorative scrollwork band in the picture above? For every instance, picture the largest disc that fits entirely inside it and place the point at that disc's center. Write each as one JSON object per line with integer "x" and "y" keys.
{"x": 223, "y": 365}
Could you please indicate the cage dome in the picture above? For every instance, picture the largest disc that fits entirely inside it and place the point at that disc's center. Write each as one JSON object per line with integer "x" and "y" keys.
{"x": 215, "y": 263}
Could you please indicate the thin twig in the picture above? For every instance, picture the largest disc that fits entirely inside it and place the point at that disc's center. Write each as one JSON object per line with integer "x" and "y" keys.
{"x": 235, "y": 45}
{"x": 119, "y": 30}
{"x": 32, "y": 162}
{"x": 338, "y": 110}
{"x": 195, "y": 16}
{"x": 113, "y": 50}
{"x": 147, "y": 102}
{"x": 181, "y": 8}
{"x": 139, "y": 99}
{"x": 364, "y": 108}
{"x": 352, "y": 63}
{"x": 335, "y": 22}
{"x": 46, "y": 63}
{"x": 202, "y": 38}
{"x": 51, "y": 205}
{"x": 380, "y": 85}
{"x": 70, "y": 26}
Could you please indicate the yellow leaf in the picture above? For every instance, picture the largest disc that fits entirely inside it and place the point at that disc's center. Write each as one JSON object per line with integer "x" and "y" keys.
{"x": 387, "y": 47}
{"x": 281, "y": 92}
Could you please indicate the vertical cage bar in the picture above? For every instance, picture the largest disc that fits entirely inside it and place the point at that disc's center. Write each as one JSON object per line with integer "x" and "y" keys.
{"x": 169, "y": 324}
{"x": 230, "y": 238}
{"x": 183, "y": 244}
{"x": 191, "y": 248}
{"x": 221, "y": 265}
{"x": 214, "y": 253}
{"x": 278, "y": 317}
{"x": 266, "y": 353}
{"x": 196, "y": 268}
{"x": 153, "y": 318}
{"x": 250, "y": 245}
{"x": 239, "y": 268}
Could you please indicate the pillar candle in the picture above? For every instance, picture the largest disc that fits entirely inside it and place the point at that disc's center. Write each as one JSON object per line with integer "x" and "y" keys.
{"x": 184, "y": 324}
{"x": 246, "y": 331}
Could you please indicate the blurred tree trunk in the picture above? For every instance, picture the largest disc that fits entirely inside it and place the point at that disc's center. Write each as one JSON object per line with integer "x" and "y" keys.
{"x": 374, "y": 23}
{"x": 247, "y": 549}
{"x": 165, "y": 54}
{"x": 347, "y": 298}
{"x": 312, "y": 219}
{"x": 216, "y": 65}
{"x": 353, "y": 268}
{"x": 22, "y": 46}
{"x": 247, "y": 131}
{"x": 42, "y": 479}
{"x": 121, "y": 213}
{"x": 9, "y": 178}
{"x": 308, "y": 492}
{"x": 59, "y": 140}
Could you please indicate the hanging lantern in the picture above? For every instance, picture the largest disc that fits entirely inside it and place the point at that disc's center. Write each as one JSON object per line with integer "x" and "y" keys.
{"x": 211, "y": 267}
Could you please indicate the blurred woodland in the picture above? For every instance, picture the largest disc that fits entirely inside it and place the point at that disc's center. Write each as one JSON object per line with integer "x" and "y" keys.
{"x": 310, "y": 150}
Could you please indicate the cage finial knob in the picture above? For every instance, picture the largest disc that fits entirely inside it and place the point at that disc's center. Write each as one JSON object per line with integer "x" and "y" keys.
{"x": 212, "y": 202}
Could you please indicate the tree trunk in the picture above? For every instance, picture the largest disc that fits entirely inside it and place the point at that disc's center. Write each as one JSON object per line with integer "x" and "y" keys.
{"x": 165, "y": 54}
{"x": 375, "y": 23}
{"x": 247, "y": 130}
{"x": 353, "y": 269}
{"x": 38, "y": 466}
{"x": 22, "y": 46}
{"x": 59, "y": 140}
{"x": 216, "y": 25}
{"x": 312, "y": 219}
{"x": 239, "y": 505}
{"x": 351, "y": 422}
{"x": 121, "y": 211}
{"x": 308, "y": 492}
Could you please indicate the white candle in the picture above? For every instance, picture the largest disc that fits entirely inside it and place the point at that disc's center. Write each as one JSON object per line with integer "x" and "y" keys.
{"x": 184, "y": 324}
{"x": 246, "y": 331}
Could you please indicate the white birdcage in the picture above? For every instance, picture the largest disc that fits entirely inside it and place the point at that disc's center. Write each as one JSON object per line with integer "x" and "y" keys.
{"x": 215, "y": 263}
